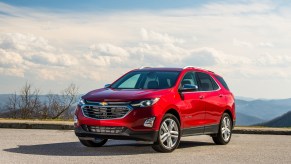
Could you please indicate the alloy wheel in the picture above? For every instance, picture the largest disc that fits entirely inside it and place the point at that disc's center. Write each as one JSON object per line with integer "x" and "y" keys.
{"x": 226, "y": 129}
{"x": 169, "y": 133}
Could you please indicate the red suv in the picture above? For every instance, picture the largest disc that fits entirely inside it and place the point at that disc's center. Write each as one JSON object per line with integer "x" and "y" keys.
{"x": 159, "y": 105}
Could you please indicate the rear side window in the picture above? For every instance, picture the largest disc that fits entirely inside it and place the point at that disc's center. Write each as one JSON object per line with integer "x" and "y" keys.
{"x": 221, "y": 80}
{"x": 206, "y": 82}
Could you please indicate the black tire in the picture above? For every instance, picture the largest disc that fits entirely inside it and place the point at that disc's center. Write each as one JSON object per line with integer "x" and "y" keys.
{"x": 158, "y": 145}
{"x": 91, "y": 143}
{"x": 221, "y": 138}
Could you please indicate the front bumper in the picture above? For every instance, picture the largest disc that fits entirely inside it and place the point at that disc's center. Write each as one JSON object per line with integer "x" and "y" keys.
{"x": 126, "y": 134}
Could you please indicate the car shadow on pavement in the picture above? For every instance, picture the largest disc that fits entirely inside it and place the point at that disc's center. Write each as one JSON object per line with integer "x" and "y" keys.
{"x": 189, "y": 144}
{"x": 76, "y": 149}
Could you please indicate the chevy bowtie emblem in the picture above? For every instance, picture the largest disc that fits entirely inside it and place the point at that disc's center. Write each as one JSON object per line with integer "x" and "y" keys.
{"x": 103, "y": 103}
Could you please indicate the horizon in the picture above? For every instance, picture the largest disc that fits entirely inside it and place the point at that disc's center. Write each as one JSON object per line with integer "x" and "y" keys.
{"x": 51, "y": 44}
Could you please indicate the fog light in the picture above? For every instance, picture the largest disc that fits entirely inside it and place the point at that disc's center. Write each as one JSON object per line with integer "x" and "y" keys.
{"x": 75, "y": 119}
{"x": 149, "y": 122}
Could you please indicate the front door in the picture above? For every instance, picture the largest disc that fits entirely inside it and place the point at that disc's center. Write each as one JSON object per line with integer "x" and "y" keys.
{"x": 191, "y": 105}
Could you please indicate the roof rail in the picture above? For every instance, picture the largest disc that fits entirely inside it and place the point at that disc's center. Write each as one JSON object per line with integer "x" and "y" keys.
{"x": 197, "y": 68}
{"x": 143, "y": 67}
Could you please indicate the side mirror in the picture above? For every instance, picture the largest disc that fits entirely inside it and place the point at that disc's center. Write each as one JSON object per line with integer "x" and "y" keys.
{"x": 106, "y": 85}
{"x": 188, "y": 87}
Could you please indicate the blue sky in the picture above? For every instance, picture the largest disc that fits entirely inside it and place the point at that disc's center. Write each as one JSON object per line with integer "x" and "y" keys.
{"x": 54, "y": 43}
{"x": 103, "y": 5}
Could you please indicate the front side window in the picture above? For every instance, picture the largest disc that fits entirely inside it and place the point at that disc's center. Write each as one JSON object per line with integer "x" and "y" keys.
{"x": 189, "y": 78}
{"x": 147, "y": 80}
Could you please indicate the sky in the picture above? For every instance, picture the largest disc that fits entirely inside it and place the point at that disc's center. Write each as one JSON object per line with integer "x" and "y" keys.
{"x": 51, "y": 44}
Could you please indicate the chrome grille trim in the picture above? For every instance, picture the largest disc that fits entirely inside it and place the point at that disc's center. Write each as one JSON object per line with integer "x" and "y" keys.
{"x": 109, "y": 103}
{"x": 105, "y": 112}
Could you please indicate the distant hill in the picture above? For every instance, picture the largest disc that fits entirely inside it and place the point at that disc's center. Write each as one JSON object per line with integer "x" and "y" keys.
{"x": 281, "y": 121}
{"x": 244, "y": 98}
{"x": 263, "y": 109}
{"x": 249, "y": 111}
{"x": 246, "y": 120}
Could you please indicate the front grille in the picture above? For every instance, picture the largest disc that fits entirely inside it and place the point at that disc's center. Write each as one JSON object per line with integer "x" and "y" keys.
{"x": 108, "y": 112}
{"x": 105, "y": 129}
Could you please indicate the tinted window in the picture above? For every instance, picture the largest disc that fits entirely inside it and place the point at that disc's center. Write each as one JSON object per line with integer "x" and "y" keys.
{"x": 189, "y": 78}
{"x": 214, "y": 84}
{"x": 130, "y": 82}
{"x": 147, "y": 80}
{"x": 206, "y": 82}
{"x": 221, "y": 80}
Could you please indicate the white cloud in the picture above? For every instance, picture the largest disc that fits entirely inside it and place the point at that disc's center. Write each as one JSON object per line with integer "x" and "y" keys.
{"x": 274, "y": 60}
{"x": 266, "y": 44}
{"x": 202, "y": 57}
{"x": 153, "y": 36}
{"x": 108, "y": 50}
{"x": 12, "y": 72}
{"x": 9, "y": 59}
{"x": 238, "y": 8}
{"x": 240, "y": 40}
{"x": 240, "y": 43}
{"x": 24, "y": 42}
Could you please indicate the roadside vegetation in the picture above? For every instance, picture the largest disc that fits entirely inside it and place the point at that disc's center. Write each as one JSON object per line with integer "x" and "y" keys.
{"x": 27, "y": 103}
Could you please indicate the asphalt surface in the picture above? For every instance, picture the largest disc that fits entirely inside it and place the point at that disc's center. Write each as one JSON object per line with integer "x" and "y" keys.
{"x": 61, "y": 146}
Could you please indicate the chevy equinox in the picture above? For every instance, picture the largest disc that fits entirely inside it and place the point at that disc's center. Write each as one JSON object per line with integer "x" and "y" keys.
{"x": 160, "y": 105}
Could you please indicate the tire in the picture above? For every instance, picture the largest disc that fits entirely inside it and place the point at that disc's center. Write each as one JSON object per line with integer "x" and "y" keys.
{"x": 91, "y": 143}
{"x": 172, "y": 136}
{"x": 225, "y": 130}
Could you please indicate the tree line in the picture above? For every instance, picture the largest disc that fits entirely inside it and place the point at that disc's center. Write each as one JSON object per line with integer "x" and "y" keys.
{"x": 27, "y": 104}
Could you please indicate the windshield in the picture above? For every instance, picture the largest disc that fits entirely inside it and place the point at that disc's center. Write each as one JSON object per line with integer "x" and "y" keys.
{"x": 147, "y": 80}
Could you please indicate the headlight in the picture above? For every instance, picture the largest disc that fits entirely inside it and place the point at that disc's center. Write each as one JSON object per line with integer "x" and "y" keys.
{"x": 145, "y": 103}
{"x": 81, "y": 102}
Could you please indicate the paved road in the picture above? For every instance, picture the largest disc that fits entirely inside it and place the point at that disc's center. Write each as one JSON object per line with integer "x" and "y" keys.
{"x": 56, "y": 146}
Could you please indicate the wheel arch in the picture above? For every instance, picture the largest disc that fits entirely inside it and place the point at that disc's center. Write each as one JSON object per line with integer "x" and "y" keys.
{"x": 175, "y": 113}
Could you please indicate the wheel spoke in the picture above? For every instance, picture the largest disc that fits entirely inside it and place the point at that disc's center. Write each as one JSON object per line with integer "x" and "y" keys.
{"x": 164, "y": 137}
{"x": 174, "y": 136}
{"x": 174, "y": 133}
{"x": 227, "y": 131}
{"x": 224, "y": 122}
{"x": 171, "y": 125}
{"x": 227, "y": 123}
{"x": 169, "y": 142}
{"x": 165, "y": 127}
{"x": 224, "y": 135}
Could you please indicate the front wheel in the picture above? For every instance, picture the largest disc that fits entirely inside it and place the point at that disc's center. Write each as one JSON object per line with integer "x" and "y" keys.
{"x": 169, "y": 135}
{"x": 93, "y": 143}
{"x": 225, "y": 130}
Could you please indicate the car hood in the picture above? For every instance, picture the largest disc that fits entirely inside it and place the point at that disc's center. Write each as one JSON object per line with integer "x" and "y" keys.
{"x": 108, "y": 94}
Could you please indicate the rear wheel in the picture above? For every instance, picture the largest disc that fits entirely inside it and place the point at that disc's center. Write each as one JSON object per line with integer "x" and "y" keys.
{"x": 225, "y": 130}
{"x": 169, "y": 135}
{"x": 97, "y": 142}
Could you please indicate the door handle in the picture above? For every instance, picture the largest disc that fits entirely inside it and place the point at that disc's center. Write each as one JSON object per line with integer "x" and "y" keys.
{"x": 221, "y": 95}
{"x": 201, "y": 97}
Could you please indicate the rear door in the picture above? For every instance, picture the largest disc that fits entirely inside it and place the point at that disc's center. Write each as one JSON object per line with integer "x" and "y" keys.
{"x": 213, "y": 99}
